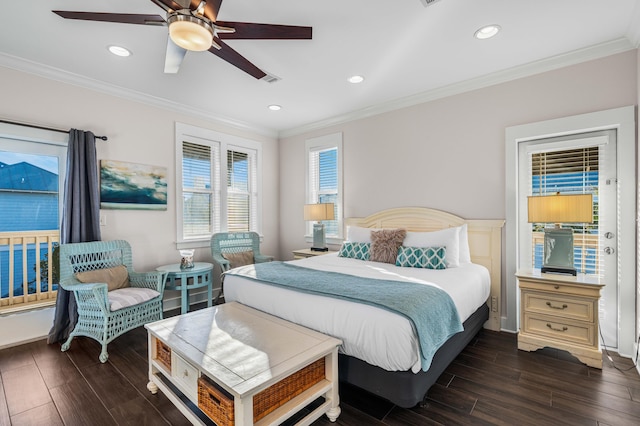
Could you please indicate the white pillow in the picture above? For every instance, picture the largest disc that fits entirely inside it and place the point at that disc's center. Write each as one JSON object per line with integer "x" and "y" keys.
{"x": 465, "y": 252}
{"x": 449, "y": 238}
{"x": 358, "y": 234}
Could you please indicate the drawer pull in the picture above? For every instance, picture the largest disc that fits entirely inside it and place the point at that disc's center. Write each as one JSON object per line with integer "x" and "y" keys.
{"x": 556, "y": 286}
{"x": 564, "y": 306}
{"x": 185, "y": 374}
{"x": 564, "y": 328}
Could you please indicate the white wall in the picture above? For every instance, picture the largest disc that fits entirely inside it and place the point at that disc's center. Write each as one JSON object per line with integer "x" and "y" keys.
{"x": 137, "y": 133}
{"x": 449, "y": 154}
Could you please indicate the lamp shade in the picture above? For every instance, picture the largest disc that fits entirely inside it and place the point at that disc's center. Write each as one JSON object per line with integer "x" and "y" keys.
{"x": 570, "y": 208}
{"x": 322, "y": 211}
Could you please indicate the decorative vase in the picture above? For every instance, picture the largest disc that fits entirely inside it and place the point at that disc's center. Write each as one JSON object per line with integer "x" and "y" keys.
{"x": 187, "y": 259}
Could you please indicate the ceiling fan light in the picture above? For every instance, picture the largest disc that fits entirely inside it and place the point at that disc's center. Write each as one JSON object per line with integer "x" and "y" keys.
{"x": 190, "y": 32}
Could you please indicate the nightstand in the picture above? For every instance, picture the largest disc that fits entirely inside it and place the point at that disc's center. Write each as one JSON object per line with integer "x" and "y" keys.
{"x": 560, "y": 311}
{"x": 304, "y": 253}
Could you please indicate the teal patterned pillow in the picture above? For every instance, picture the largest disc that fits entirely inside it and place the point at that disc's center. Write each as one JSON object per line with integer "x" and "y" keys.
{"x": 422, "y": 257}
{"x": 358, "y": 251}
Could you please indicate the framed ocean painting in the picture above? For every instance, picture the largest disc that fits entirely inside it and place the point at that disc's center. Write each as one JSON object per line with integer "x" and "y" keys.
{"x": 132, "y": 186}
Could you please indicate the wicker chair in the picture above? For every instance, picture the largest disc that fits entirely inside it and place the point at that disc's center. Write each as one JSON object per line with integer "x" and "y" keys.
{"x": 96, "y": 319}
{"x": 235, "y": 242}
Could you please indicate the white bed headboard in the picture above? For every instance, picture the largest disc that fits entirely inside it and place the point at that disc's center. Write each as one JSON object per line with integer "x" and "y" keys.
{"x": 485, "y": 241}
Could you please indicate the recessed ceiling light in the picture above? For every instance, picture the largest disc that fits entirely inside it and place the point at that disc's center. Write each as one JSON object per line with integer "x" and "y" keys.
{"x": 487, "y": 31}
{"x": 356, "y": 79}
{"x": 275, "y": 107}
{"x": 119, "y": 51}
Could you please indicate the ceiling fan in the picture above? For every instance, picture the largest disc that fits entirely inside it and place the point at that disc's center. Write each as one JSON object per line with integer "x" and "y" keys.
{"x": 193, "y": 25}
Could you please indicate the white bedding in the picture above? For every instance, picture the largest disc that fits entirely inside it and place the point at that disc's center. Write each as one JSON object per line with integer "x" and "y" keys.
{"x": 372, "y": 334}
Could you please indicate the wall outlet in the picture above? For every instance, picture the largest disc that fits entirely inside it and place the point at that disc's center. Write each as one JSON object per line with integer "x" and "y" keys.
{"x": 494, "y": 304}
{"x": 103, "y": 219}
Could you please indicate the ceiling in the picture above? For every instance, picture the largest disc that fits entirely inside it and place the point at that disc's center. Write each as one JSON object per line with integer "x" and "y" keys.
{"x": 407, "y": 53}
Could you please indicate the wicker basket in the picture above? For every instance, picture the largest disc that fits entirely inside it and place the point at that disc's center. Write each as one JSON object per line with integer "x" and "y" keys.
{"x": 216, "y": 404}
{"x": 286, "y": 389}
{"x": 163, "y": 354}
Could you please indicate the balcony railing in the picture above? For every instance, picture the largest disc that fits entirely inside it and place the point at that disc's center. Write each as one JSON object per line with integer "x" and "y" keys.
{"x": 28, "y": 269}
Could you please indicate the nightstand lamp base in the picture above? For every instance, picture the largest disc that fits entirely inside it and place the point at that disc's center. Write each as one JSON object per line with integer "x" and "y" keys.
{"x": 556, "y": 270}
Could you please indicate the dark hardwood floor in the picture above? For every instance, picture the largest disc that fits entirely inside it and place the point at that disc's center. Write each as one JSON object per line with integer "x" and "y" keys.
{"x": 490, "y": 383}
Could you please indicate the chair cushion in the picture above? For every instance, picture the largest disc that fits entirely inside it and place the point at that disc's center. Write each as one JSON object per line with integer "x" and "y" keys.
{"x": 239, "y": 259}
{"x": 129, "y": 296}
{"x": 116, "y": 277}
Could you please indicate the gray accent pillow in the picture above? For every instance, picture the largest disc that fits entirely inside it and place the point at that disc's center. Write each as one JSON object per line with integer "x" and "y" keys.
{"x": 385, "y": 244}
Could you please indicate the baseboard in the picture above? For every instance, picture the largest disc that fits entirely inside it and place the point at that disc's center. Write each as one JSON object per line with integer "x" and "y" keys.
{"x": 25, "y": 327}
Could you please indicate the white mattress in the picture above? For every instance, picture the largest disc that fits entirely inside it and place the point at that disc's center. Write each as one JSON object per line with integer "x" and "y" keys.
{"x": 371, "y": 334}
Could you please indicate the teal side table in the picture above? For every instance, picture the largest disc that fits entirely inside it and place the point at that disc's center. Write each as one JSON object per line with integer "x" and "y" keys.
{"x": 188, "y": 279}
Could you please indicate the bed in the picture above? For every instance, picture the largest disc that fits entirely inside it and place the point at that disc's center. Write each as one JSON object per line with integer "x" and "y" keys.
{"x": 382, "y": 352}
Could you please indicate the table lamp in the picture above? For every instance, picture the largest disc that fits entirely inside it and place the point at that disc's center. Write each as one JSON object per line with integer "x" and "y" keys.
{"x": 558, "y": 242}
{"x": 318, "y": 213}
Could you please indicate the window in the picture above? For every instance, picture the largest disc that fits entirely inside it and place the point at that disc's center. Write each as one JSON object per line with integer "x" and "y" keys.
{"x": 32, "y": 170}
{"x": 198, "y": 194}
{"x": 568, "y": 171}
{"x": 242, "y": 194}
{"x": 324, "y": 180}
{"x": 206, "y": 159}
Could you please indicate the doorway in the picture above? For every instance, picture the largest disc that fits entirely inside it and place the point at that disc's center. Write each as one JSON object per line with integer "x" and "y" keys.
{"x": 577, "y": 164}
{"x": 622, "y": 121}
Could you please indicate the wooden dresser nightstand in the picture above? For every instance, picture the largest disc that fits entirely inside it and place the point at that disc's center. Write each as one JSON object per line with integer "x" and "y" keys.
{"x": 304, "y": 253}
{"x": 560, "y": 311}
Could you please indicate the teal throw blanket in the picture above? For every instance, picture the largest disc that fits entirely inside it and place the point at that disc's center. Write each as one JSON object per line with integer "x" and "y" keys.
{"x": 430, "y": 309}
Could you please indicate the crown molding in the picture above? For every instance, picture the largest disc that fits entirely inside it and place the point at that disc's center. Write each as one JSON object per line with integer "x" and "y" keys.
{"x": 548, "y": 64}
{"x": 52, "y": 73}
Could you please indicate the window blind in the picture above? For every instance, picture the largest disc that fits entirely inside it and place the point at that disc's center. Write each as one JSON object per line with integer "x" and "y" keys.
{"x": 323, "y": 182}
{"x": 198, "y": 162}
{"x": 241, "y": 191}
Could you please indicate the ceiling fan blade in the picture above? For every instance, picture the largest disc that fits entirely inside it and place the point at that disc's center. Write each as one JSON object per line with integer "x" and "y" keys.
{"x": 124, "y": 18}
{"x": 211, "y": 8}
{"x": 246, "y": 30}
{"x": 173, "y": 58}
{"x": 168, "y": 5}
{"x": 236, "y": 59}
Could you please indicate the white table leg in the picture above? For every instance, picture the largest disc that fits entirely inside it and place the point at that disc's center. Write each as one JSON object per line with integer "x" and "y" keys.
{"x": 331, "y": 366}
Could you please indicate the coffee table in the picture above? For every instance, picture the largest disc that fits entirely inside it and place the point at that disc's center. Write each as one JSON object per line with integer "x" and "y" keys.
{"x": 245, "y": 357}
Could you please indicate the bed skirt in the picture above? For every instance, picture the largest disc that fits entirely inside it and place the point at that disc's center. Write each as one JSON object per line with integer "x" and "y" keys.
{"x": 405, "y": 388}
